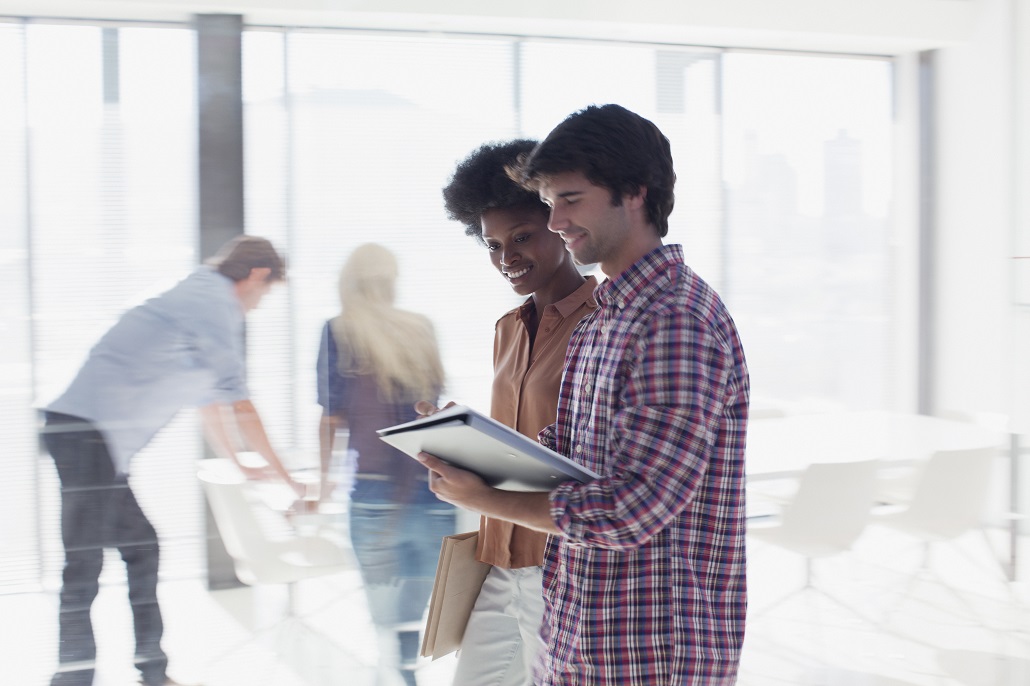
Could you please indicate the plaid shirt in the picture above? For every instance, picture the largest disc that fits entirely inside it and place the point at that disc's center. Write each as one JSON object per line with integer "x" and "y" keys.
{"x": 647, "y": 585}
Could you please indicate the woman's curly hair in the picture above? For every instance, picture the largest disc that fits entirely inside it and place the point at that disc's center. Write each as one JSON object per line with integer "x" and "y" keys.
{"x": 480, "y": 182}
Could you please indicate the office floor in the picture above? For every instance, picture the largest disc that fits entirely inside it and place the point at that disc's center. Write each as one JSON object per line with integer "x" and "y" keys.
{"x": 872, "y": 618}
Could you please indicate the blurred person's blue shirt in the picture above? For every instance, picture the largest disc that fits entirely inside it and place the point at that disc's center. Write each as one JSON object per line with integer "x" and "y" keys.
{"x": 183, "y": 348}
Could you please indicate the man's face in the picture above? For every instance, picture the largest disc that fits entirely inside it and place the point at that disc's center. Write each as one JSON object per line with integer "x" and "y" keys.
{"x": 522, "y": 249}
{"x": 582, "y": 213}
{"x": 252, "y": 289}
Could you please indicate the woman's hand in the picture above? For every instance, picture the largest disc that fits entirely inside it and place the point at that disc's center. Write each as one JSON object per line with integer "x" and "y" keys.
{"x": 426, "y": 408}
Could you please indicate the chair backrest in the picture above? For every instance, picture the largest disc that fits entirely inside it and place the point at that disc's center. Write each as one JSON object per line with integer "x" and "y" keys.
{"x": 237, "y": 524}
{"x": 831, "y": 507}
{"x": 951, "y": 493}
{"x": 259, "y": 553}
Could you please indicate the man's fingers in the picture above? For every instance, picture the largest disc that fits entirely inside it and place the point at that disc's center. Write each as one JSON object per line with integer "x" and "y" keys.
{"x": 432, "y": 462}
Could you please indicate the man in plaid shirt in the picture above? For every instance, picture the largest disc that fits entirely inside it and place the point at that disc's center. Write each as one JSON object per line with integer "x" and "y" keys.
{"x": 644, "y": 574}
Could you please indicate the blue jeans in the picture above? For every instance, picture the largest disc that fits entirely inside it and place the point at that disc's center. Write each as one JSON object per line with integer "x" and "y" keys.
{"x": 397, "y": 545}
{"x": 99, "y": 510}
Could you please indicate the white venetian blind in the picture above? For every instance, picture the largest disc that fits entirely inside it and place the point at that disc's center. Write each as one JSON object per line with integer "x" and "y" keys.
{"x": 19, "y": 547}
{"x": 111, "y": 186}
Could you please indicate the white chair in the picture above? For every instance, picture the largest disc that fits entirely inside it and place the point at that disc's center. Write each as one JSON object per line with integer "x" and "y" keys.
{"x": 948, "y": 501}
{"x": 948, "y": 498}
{"x": 897, "y": 484}
{"x": 259, "y": 558}
{"x": 827, "y": 513}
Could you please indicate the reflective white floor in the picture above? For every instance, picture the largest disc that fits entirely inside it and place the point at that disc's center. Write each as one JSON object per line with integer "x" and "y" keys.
{"x": 872, "y": 619}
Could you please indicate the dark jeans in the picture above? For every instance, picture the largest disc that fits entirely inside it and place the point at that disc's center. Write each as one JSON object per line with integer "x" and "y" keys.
{"x": 99, "y": 510}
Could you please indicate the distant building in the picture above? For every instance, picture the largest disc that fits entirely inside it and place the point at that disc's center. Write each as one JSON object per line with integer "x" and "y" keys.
{"x": 842, "y": 165}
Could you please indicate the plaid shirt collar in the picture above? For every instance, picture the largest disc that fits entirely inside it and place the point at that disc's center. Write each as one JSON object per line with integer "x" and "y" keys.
{"x": 647, "y": 276}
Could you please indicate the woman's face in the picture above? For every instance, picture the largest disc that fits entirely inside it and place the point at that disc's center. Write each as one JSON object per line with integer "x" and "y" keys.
{"x": 527, "y": 254}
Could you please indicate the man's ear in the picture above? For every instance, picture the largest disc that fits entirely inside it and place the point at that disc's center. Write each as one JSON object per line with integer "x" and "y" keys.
{"x": 636, "y": 200}
{"x": 259, "y": 274}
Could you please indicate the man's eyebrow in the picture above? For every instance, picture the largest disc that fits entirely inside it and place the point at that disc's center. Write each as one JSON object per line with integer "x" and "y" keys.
{"x": 566, "y": 194}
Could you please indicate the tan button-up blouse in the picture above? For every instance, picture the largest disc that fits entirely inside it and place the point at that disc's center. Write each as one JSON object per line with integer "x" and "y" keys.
{"x": 525, "y": 397}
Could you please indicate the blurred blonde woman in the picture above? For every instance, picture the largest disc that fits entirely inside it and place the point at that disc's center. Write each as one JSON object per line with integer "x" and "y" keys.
{"x": 375, "y": 361}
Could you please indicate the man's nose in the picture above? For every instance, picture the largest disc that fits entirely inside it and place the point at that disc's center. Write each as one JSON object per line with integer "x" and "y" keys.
{"x": 557, "y": 220}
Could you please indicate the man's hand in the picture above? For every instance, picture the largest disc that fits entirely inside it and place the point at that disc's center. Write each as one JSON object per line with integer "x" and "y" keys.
{"x": 465, "y": 489}
{"x": 266, "y": 472}
{"x": 301, "y": 489}
{"x": 262, "y": 472}
{"x": 455, "y": 485}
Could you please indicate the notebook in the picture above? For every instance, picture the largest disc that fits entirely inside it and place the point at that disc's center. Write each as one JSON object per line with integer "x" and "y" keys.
{"x": 501, "y": 456}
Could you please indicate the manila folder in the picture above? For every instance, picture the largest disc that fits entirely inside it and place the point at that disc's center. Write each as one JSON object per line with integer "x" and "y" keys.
{"x": 459, "y": 576}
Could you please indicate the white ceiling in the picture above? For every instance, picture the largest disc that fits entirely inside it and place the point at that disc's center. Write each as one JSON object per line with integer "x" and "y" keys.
{"x": 870, "y": 26}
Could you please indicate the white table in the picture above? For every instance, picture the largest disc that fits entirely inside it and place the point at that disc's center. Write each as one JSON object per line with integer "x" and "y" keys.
{"x": 782, "y": 447}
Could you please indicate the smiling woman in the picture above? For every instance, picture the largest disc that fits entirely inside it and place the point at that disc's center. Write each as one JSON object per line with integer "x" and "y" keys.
{"x": 529, "y": 350}
{"x": 531, "y": 257}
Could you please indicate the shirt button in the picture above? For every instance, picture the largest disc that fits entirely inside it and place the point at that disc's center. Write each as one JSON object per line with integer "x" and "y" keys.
{"x": 579, "y": 448}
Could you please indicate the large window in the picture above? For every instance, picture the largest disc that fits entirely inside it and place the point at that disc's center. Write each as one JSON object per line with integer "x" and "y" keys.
{"x": 782, "y": 200}
{"x": 97, "y": 176}
{"x": 807, "y": 170}
{"x": 782, "y": 204}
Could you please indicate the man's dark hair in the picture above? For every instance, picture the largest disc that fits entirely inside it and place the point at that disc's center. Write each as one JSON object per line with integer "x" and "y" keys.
{"x": 613, "y": 148}
{"x": 480, "y": 182}
{"x": 237, "y": 257}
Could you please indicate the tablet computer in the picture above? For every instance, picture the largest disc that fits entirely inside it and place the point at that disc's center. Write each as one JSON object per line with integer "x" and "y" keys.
{"x": 501, "y": 456}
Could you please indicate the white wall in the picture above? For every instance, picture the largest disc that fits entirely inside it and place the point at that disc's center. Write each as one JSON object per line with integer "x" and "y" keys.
{"x": 1019, "y": 386}
{"x": 977, "y": 209}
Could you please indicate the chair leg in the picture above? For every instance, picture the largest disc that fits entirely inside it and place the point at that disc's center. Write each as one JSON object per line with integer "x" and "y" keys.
{"x": 810, "y": 588}
{"x": 927, "y": 573}
{"x": 1007, "y": 570}
{"x": 292, "y": 636}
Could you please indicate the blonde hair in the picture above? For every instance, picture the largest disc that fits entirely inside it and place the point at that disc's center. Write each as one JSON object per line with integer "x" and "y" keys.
{"x": 398, "y": 348}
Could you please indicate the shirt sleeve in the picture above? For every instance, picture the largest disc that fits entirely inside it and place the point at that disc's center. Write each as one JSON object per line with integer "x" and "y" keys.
{"x": 662, "y": 437}
{"x": 546, "y": 437}
{"x": 332, "y": 386}
{"x": 215, "y": 321}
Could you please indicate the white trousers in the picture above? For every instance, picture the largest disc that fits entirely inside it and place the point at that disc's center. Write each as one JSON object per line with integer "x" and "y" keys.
{"x": 502, "y": 639}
